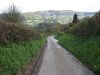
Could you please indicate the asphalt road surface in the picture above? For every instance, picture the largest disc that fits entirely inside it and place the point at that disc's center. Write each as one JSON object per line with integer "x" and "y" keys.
{"x": 58, "y": 61}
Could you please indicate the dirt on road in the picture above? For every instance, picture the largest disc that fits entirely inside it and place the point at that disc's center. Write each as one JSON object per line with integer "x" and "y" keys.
{"x": 58, "y": 61}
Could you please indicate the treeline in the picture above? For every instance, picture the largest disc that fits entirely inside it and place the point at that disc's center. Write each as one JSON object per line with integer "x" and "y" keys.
{"x": 86, "y": 27}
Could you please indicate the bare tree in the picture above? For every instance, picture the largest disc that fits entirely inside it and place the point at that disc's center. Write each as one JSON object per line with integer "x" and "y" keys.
{"x": 12, "y": 14}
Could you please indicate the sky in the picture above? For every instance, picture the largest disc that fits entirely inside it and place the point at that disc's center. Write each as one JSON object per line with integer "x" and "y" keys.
{"x": 40, "y": 5}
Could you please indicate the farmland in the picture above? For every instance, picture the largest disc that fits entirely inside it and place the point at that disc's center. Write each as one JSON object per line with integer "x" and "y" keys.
{"x": 53, "y": 16}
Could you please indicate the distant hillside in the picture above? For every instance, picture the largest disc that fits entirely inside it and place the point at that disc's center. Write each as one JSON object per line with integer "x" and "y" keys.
{"x": 58, "y": 13}
{"x": 61, "y": 16}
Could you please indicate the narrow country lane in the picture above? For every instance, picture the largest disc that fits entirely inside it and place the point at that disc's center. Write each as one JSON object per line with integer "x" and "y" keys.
{"x": 58, "y": 61}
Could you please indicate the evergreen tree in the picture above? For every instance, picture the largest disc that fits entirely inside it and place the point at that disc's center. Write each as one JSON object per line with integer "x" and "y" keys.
{"x": 75, "y": 18}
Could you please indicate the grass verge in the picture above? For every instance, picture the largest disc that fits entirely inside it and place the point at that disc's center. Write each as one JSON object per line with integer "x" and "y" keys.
{"x": 14, "y": 57}
{"x": 86, "y": 50}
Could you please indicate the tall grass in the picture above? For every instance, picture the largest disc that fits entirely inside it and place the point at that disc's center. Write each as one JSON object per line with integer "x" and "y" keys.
{"x": 86, "y": 50}
{"x": 14, "y": 57}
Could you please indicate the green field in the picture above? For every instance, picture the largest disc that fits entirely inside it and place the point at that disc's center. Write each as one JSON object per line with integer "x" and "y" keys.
{"x": 34, "y": 20}
{"x": 61, "y": 16}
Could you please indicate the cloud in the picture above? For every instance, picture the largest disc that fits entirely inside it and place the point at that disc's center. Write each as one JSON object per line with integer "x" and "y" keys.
{"x": 38, "y": 5}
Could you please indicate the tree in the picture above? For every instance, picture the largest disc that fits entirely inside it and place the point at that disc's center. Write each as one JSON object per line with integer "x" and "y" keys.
{"x": 75, "y": 18}
{"x": 12, "y": 14}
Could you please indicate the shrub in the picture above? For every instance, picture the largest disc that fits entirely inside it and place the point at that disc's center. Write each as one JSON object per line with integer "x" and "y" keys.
{"x": 86, "y": 27}
{"x": 11, "y": 32}
{"x": 96, "y": 19}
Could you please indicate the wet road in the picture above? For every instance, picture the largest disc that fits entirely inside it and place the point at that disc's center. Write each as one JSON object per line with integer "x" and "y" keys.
{"x": 58, "y": 61}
